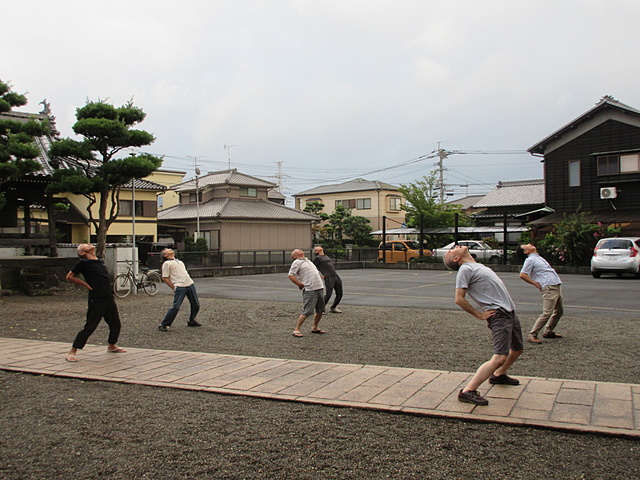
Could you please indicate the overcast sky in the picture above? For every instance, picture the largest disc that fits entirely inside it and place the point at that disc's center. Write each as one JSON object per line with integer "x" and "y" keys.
{"x": 333, "y": 89}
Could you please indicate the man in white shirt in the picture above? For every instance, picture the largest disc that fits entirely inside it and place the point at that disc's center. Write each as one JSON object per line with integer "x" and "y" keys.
{"x": 175, "y": 274}
{"x": 308, "y": 279}
{"x": 536, "y": 271}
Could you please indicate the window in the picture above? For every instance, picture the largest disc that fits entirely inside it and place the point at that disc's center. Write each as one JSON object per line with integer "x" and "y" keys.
{"x": 248, "y": 192}
{"x": 574, "y": 173}
{"x": 629, "y": 163}
{"x": 608, "y": 165}
{"x": 395, "y": 203}
{"x": 363, "y": 203}
{"x": 160, "y": 201}
{"x": 213, "y": 239}
{"x": 399, "y": 247}
{"x": 192, "y": 197}
{"x": 347, "y": 203}
{"x": 125, "y": 208}
{"x": 616, "y": 164}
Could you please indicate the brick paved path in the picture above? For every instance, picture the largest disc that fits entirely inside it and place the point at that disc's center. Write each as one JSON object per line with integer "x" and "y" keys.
{"x": 611, "y": 408}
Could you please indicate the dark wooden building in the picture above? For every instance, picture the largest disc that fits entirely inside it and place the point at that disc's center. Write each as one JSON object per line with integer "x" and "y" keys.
{"x": 592, "y": 164}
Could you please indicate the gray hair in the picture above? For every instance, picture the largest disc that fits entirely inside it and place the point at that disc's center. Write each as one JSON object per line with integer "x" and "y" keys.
{"x": 449, "y": 263}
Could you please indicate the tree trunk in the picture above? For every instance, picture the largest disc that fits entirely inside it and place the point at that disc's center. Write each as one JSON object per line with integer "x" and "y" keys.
{"x": 101, "y": 234}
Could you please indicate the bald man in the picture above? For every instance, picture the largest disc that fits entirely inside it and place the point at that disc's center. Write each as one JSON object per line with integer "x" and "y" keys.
{"x": 496, "y": 307}
{"x": 101, "y": 301}
{"x": 306, "y": 276}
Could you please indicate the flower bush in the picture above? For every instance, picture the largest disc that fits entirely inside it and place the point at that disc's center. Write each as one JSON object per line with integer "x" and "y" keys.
{"x": 574, "y": 238}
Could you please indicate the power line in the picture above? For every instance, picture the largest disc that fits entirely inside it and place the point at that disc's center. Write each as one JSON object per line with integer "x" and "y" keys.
{"x": 327, "y": 177}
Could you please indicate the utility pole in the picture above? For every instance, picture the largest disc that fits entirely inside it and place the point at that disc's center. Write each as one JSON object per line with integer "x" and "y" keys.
{"x": 228, "y": 149}
{"x": 134, "y": 249}
{"x": 442, "y": 154}
{"x": 196, "y": 234}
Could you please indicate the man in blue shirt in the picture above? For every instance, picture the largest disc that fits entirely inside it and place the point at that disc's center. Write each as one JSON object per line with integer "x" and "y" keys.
{"x": 537, "y": 272}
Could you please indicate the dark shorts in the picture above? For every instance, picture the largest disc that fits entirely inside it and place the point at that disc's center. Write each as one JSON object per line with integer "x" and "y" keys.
{"x": 507, "y": 332}
{"x": 313, "y": 300}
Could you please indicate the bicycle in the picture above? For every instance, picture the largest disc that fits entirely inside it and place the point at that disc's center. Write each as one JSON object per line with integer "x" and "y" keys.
{"x": 148, "y": 280}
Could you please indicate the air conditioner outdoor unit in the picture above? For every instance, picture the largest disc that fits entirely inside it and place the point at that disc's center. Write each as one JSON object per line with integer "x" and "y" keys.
{"x": 608, "y": 193}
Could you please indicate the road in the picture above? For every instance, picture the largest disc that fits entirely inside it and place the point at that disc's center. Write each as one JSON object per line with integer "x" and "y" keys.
{"x": 584, "y": 295}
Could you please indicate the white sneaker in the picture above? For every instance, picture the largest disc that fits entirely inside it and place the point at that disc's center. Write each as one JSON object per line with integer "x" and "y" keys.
{"x": 335, "y": 310}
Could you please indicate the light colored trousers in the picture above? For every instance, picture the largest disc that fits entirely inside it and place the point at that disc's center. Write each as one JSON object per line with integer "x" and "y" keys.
{"x": 552, "y": 309}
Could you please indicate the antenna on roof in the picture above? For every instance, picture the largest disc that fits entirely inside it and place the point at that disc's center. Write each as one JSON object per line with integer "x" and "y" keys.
{"x": 228, "y": 149}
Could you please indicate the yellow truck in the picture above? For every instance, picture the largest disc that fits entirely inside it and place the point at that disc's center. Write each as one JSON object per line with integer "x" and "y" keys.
{"x": 400, "y": 251}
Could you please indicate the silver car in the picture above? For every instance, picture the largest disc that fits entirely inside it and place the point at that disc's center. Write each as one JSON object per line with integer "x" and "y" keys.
{"x": 478, "y": 250}
{"x": 616, "y": 255}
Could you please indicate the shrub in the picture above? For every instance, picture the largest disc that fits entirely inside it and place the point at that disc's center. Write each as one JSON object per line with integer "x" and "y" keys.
{"x": 574, "y": 238}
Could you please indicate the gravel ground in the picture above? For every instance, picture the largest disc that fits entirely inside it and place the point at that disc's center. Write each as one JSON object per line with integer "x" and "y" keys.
{"x": 55, "y": 428}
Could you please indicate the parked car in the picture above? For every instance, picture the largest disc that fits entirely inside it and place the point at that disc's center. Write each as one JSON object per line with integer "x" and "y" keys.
{"x": 150, "y": 253}
{"x": 400, "y": 251}
{"x": 616, "y": 255}
{"x": 479, "y": 250}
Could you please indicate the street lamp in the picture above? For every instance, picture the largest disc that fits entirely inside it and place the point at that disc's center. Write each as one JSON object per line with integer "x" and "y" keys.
{"x": 197, "y": 234}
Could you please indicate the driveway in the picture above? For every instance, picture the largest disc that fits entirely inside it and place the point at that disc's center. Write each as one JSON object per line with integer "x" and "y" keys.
{"x": 434, "y": 289}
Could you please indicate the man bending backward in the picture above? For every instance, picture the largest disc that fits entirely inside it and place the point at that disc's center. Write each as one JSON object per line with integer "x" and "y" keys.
{"x": 497, "y": 308}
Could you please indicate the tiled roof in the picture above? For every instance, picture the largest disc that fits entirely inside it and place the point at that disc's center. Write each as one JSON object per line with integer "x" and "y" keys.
{"x": 43, "y": 143}
{"x": 142, "y": 184}
{"x": 224, "y": 177}
{"x": 49, "y": 165}
{"x": 233, "y": 208}
{"x": 605, "y": 216}
{"x": 357, "y": 185}
{"x": 274, "y": 194}
{"x": 514, "y": 193}
{"x": 467, "y": 202}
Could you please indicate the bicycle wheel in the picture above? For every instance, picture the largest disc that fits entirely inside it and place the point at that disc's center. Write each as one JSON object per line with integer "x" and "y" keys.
{"x": 122, "y": 285}
{"x": 151, "y": 283}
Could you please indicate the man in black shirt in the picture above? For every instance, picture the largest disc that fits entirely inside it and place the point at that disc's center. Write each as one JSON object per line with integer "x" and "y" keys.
{"x": 331, "y": 278}
{"x": 101, "y": 301}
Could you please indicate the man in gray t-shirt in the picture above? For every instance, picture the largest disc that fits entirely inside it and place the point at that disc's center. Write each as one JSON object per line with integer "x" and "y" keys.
{"x": 486, "y": 289}
{"x": 308, "y": 279}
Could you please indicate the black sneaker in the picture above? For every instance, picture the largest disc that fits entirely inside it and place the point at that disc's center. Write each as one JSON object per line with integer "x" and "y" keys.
{"x": 193, "y": 324}
{"x": 503, "y": 379}
{"x": 472, "y": 396}
{"x": 163, "y": 328}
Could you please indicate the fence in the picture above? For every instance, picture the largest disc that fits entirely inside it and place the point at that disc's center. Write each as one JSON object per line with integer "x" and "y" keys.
{"x": 258, "y": 258}
{"x": 255, "y": 258}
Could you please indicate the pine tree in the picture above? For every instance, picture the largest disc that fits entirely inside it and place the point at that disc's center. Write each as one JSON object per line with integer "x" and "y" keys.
{"x": 99, "y": 174}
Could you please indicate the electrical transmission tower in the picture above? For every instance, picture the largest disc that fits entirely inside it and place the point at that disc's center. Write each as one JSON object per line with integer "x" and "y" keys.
{"x": 280, "y": 178}
{"x": 228, "y": 149}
